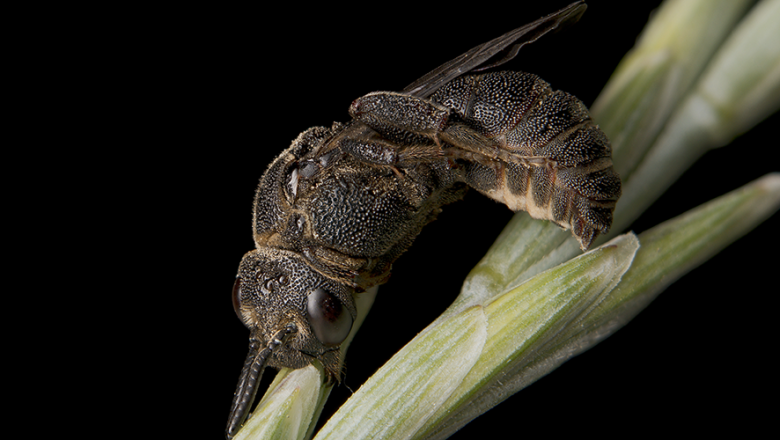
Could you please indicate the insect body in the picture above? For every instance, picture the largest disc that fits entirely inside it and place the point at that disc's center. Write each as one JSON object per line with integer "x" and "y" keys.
{"x": 341, "y": 204}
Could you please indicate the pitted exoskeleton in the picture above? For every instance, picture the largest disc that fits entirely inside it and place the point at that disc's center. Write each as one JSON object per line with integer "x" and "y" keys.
{"x": 341, "y": 204}
{"x": 513, "y": 139}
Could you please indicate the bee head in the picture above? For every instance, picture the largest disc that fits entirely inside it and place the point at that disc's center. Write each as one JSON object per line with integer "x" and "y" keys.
{"x": 294, "y": 315}
{"x": 275, "y": 288}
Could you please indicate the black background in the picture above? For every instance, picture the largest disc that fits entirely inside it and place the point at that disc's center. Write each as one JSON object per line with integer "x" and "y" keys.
{"x": 209, "y": 97}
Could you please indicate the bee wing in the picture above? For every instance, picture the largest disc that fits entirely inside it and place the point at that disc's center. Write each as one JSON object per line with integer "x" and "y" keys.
{"x": 476, "y": 58}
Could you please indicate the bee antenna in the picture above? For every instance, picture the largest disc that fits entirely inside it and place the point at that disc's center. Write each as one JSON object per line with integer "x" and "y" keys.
{"x": 254, "y": 365}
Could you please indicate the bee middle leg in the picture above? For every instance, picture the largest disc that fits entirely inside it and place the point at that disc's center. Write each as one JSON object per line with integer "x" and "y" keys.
{"x": 380, "y": 152}
{"x": 397, "y": 114}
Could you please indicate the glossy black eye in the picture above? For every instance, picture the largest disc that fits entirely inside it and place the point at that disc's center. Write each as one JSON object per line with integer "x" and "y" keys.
{"x": 329, "y": 319}
{"x": 237, "y": 298}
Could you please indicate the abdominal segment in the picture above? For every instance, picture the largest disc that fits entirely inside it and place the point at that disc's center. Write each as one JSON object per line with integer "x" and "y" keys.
{"x": 533, "y": 149}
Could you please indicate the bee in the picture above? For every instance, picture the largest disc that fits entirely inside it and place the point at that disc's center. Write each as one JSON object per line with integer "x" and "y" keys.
{"x": 334, "y": 210}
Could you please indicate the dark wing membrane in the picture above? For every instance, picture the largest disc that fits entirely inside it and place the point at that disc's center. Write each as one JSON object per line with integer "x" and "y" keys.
{"x": 477, "y": 57}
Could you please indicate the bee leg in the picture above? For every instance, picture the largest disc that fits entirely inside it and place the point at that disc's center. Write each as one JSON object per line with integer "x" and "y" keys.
{"x": 471, "y": 145}
{"x": 334, "y": 264}
{"x": 367, "y": 280}
{"x": 395, "y": 115}
{"x": 378, "y": 152}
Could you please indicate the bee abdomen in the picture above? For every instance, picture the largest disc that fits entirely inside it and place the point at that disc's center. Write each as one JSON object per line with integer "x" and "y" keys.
{"x": 551, "y": 160}
{"x": 493, "y": 103}
{"x": 579, "y": 198}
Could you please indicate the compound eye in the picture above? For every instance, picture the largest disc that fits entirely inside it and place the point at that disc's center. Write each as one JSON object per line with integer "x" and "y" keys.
{"x": 237, "y": 298}
{"x": 329, "y": 319}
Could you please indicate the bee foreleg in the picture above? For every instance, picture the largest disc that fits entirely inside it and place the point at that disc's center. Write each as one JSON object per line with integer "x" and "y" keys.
{"x": 334, "y": 264}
